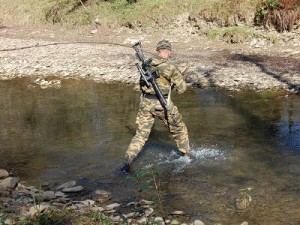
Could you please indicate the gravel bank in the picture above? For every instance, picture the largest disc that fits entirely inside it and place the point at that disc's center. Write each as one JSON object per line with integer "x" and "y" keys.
{"x": 232, "y": 70}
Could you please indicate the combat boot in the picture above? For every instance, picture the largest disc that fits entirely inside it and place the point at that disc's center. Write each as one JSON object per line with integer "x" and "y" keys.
{"x": 127, "y": 167}
{"x": 188, "y": 154}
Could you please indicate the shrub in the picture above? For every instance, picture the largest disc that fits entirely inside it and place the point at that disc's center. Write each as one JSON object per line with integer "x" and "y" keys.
{"x": 280, "y": 14}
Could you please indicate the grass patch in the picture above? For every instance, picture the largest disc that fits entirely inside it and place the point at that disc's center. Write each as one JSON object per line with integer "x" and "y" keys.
{"x": 146, "y": 12}
{"x": 19, "y": 12}
{"x": 232, "y": 34}
{"x": 51, "y": 217}
{"x": 282, "y": 14}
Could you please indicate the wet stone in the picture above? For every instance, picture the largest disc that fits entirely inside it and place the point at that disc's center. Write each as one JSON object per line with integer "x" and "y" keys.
{"x": 146, "y": 202}
{"x": 4, "y": 193}
{"x": 45, "y": 185}
{"x": 159, "y": 220}
{"x": 175, "y": 222}
{"x": 109, "y": 211}
{"x": 142, "y": 220}
{"x": 132, "y": 204}
{"x": 60, "y": 194}
{"x": 102, "y": 193}
{"x": 98, "y": 209}
{"x": 38, "y": 208}
{"x": 177, "y": 213}
{"x": 24, "y": 200}
{"x": 112, "y": 206}
{"x": 198, "y": 222}
{"x": 149, "y": 211}
{"x": 115, "y": 218}
{"x": 241, "y": 204}
{"x": 73, "y": 189}
{"x": 57, "y": 204}
{"x": 131, "y": 215}
{"x": 69, "y": 184}
{"x": 88, "y": 202}
{"x": 3, "y": 174}
{"x": 102, "y": 196}
{"x": 48, "y": 195}
{"x": 62, "y": 200}
{"x": 9, "y": 183}
{"x": 32, "y": 189}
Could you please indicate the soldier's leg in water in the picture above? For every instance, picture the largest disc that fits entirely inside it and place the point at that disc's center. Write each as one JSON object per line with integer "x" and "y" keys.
{"x": 144, "y": 122}
{"x": 178, "y": 130}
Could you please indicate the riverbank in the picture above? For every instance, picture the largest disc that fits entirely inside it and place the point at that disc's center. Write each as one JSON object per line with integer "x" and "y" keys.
{"x": 52, "y": 53}
{"x": 23, "y": 204}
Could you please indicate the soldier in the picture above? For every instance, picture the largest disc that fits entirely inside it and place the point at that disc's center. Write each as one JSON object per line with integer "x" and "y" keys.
{"x": 150, "y": 107}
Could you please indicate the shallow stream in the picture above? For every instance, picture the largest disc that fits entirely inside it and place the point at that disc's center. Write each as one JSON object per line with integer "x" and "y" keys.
{"x": 248, "y": 141}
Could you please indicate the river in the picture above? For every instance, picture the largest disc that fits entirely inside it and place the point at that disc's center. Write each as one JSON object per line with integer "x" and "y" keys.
{"x": 245, "y": 142}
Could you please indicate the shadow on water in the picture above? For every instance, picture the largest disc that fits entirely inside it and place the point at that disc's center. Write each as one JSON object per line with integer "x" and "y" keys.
{"x": 81, "y": 132}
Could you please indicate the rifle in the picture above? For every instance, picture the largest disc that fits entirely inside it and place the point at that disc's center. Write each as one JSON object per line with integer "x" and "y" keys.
{"x": 147, "y": 76}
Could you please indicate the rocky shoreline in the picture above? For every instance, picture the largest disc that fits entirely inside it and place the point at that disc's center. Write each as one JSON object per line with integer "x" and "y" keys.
{"x": 48, "y": 62}
{"x": 20, "y": 202}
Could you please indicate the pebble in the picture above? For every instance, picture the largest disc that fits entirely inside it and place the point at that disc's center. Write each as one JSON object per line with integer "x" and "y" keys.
{"x": 142, "y": 220}
{"x": 69, "y": 184}
{"x": 88, "y": 202}
{"x": 3, "y": 174}
{"x": 72, "y": 189}
{"x": 98, "y": 209}
{"x": 175, "y": 222}
{"x": 146, "y": 202}
{"x": 159, "y": 220}
{"x": 9, "y": 183}
{"x": 60, "y": 194}
{"x": 198, "y": 222}
{"x": 112, "y": 206}
{"x": 178, "y": 212}
{"x": 102, "y": 193}
{"x": 48, "y": 195}
{"x": 102, "y": 196}
{"x": 149, "y": 211}
{"x": 38, "y": 208}
{"x": 132, "y": 214}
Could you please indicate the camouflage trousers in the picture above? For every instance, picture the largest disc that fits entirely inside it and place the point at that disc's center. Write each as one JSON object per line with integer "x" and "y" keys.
{"x": 149, "y": 110}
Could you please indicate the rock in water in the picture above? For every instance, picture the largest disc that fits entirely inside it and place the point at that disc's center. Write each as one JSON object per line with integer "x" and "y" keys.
{"x": 72, "y": 189}
{"x": 67, "y": 185}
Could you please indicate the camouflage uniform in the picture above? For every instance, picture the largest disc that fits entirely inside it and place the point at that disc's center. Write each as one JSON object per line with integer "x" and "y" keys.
{"x": 151, "y": 108}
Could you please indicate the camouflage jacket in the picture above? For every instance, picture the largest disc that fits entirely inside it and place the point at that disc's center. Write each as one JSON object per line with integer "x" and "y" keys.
{"x": 169, "y": 75}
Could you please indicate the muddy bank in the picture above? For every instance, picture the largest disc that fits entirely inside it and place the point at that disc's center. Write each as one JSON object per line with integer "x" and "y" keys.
{"x": 207, "y": 65}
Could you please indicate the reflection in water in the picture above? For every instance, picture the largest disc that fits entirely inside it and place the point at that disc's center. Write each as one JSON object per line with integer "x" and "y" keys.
{"x": 82, "y": 130}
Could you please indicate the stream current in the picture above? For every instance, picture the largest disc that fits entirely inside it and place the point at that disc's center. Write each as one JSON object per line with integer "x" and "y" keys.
{"x": 245, "y": 142}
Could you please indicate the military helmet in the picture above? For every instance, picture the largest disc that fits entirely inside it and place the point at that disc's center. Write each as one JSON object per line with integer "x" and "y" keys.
{"x": 163, "y": 44}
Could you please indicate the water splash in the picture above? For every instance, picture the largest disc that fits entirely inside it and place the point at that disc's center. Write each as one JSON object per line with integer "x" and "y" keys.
{"x": 197, "y": 154}
{"x": 208, "y": 153}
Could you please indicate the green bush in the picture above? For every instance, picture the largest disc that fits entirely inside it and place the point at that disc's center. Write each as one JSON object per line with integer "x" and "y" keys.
{"x": 280, "y": 14}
